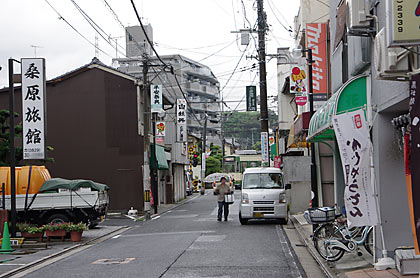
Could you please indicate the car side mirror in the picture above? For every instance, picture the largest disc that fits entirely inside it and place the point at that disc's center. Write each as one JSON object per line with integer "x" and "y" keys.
{"x": 288, "y": 186}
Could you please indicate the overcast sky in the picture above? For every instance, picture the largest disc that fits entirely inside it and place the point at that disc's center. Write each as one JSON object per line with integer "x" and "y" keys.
{"x": 197, "y": 29}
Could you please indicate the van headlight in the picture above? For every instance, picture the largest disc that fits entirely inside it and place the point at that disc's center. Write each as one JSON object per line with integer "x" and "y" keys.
{"x": 245, "y": 199}
{"x": 282, "y": 198}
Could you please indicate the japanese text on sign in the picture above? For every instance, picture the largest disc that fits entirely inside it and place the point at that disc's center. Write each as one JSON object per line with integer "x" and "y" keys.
{"x": 33, "y": 102}
{"x": 181, "y": 120}
{"x": 156, "y": 98}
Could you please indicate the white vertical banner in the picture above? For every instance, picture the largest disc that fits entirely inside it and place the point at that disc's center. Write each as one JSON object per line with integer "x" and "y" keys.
{"x": 33, "y": 107}
{"x": 264, "y": 147}
{"x": 181, "y": 120}
{"x": 352, "y": 132}
{"x": 156, "y": 102}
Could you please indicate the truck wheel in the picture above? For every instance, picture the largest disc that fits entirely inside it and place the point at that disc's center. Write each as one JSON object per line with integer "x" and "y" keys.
{"x": 243, "y": 221}
{"x": 58, "y": 218}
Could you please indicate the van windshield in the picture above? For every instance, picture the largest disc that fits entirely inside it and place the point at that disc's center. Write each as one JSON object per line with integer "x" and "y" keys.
{"x": 263, "y": 180}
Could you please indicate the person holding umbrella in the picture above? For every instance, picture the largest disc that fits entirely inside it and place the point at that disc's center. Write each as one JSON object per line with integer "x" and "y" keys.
{"x": 221, "y": 190}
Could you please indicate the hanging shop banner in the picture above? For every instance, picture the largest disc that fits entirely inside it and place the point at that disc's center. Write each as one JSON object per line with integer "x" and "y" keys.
{"x": 264, "y": 147}
{"x": 251, "y": 98}
{"x": 316, "y": 39}
{"x": 298, "y": 80}
{"x": 412, "y": 154}
{"x": 156, "y": 101}
{"x": 160, "y": 128}
{"x": 403, "y": 22}
{"x": 181, "y": 120}
{"x": 33, "y": 107}
{"x": 352, "y": 134}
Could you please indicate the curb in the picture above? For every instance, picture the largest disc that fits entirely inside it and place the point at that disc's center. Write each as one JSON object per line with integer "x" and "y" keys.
{"x": 311, "y": 249}
{"x": 62, "y": 252}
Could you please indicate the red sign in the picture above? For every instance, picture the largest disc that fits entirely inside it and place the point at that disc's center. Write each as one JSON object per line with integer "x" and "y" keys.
{"x": 316, "y": 38}
{"x": 277, "y": 161}
{"x": 301, "y": 100}
{"x": 358, "y": 121}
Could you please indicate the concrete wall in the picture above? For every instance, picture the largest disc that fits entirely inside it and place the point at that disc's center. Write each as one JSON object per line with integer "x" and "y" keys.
{"x": 297, "y": 173}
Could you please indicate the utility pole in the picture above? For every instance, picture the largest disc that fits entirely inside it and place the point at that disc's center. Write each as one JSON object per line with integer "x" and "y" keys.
{"x": 263, "y": 74}
{"x": 314, "y": 185}
{"x": 146, "y": 140}
{"x": 203, "y": 155}
{"x": 12, "y": 150}
{"x": 223, "y": 138}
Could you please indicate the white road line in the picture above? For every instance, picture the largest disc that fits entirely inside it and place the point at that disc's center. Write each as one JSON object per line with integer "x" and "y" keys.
{"x": 156, "y": 217}
{"x": 117, "y": 236}
{"x": 168, "y": 233}
{"x": 288, "y": 253}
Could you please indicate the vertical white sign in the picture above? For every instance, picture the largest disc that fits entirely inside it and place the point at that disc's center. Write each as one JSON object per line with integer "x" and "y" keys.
{"x": 33, "y": 105}
{"x": 181, "y": 120}
{"x": 156, "y": 102}
{"x": 264, "y": 147}
{"x": 352, "y": 134}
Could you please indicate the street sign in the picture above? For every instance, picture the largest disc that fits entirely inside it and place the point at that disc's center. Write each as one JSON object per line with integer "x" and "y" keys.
{"x": 264, "y": 147}
{"x": 181, "y": 120}
{"x": 251, "y": 98}
{"x": 301, "y": 100}
{"x": 33, "y": 107}
{"x": 298, "y": 80}
{"x": 156, "y": 98}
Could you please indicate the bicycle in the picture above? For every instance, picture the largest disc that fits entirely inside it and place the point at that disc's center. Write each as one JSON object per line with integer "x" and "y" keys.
{"x": 333, "y": 237}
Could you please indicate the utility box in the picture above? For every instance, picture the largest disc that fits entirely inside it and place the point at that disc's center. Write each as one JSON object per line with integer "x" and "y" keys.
{"x": 406, "y": 260}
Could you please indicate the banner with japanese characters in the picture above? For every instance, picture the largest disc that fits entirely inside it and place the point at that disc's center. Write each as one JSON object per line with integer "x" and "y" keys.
{"x": 352, "y": 132}
{"x": 264, "y": 147}
{"x": 33, "y": 106}
{"x": 156, "y": 98}
{"x": 181, "y": 120}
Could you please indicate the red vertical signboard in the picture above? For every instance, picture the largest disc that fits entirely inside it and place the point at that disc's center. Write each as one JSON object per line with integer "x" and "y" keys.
{"x": 316, "y": 39}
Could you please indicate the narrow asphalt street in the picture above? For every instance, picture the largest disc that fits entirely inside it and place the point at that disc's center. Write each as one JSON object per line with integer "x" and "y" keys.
{"x": 186, "y": 241}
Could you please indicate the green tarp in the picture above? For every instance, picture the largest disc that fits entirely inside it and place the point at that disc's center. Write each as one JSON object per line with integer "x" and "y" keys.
{"x": 350, "y": 97}
{"x": 59, "y": 183}
{"x": 162, "y": 163}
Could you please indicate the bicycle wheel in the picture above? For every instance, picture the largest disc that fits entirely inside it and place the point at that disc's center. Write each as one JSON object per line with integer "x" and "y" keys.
{"x": 321, "y": 237}
{"x": 368, "y": 243}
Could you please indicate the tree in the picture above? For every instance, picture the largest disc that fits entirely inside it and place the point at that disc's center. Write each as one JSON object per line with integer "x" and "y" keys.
{"x": 214, "y": 161}
{"x": 5, "y": 141}
{"x": 246, "y": 126}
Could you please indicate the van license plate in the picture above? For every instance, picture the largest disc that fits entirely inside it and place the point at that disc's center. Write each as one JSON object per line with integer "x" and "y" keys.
{"x": 258, "y": 215}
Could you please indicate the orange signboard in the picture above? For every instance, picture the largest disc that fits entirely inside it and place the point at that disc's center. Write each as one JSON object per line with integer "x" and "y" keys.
{"x": 316, "y": 39}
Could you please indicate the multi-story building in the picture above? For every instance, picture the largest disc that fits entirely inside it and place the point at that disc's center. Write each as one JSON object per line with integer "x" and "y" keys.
{"x": 190, "y": 79}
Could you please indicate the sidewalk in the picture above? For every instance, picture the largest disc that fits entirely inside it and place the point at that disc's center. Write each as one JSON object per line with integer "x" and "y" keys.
{"x": 350, "y": 265}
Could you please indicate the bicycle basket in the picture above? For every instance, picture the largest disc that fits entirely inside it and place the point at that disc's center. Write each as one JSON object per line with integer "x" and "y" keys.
{"x": 321, "y": 215}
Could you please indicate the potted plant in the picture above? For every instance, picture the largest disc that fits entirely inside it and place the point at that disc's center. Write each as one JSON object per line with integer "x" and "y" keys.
{"x": 30, "y": 231}
{"x": 76, "y": 231}
{"x": 55, "y": 230}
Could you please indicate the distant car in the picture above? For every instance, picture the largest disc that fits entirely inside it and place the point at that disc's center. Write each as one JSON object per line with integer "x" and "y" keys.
{"x": 263, "y": 195}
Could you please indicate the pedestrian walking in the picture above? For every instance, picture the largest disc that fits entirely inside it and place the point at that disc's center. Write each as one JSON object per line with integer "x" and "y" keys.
{"x": 221, "y": 190}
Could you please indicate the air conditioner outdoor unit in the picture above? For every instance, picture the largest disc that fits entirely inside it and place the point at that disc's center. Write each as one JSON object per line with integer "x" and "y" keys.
{"x": 389, "y": 61}
{"x": 357, "y": 14}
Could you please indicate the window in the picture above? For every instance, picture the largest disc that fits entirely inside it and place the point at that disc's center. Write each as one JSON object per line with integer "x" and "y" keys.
{"x": 263, "y": 180}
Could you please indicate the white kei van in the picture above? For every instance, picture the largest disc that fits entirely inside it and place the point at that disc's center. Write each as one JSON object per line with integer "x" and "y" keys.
{"x": 263, "y": 195}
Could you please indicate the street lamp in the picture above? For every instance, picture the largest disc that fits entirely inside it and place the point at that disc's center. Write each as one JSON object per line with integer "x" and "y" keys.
{"x": 297, "y": 53}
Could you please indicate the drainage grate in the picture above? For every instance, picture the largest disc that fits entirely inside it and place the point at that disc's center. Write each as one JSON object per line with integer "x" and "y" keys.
{"x": 113, "y": 261}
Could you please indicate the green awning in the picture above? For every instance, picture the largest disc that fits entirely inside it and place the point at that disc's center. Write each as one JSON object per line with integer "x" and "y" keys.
{"x": 162, "y": 164}
{"x": 350, "y": 97}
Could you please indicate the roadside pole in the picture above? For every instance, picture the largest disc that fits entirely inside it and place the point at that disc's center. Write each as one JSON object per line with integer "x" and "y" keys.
{"x": 12, "y": 150}
{"x": 203, "y": 157}
{"x": 146, "y": 140}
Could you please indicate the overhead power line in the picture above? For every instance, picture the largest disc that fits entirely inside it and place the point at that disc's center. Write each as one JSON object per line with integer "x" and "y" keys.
{"x": 77, "y": 31}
